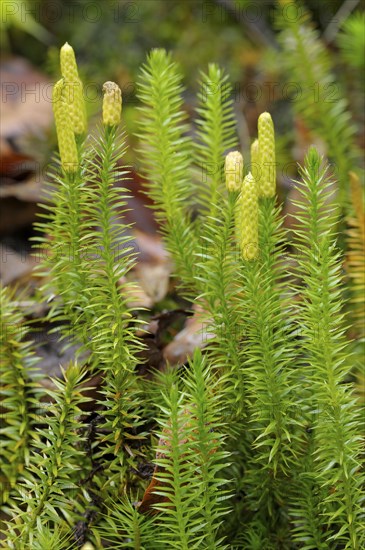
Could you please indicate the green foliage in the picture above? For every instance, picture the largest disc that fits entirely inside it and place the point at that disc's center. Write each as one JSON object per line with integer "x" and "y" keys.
{"x": 192, "y": 439}
{"x": 18, "y": 392}
{"x": 332, "y": 408}
{"x": 215, "y": 135}
{"x": 48, "y": 487}
{"x": 270, "y": 361}
{"x": 87, "y": 271}
{"x": 109, "y": 254}
{"x": 62, "y": 249}
{"x": 256, "y": 442}
{"x": 109, "y": 259}
{"x": 166, "y": 152}
{"x": 124, "y": 527}
{"x": 220, "y": 296}
{"x": 50, "y": 538}
{"x": 265, "y": 344}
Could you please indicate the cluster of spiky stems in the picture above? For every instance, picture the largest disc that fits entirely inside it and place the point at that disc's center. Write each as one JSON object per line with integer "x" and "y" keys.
{"x": 256, "y": 442}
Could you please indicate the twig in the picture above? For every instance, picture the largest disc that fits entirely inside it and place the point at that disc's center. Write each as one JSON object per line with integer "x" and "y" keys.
{"x": 347, "y": 7}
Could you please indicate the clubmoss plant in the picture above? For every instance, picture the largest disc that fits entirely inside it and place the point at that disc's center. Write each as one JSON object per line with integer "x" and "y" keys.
{"x": 216, "y": 133}
{"x": 56, "y": 460}
{"x": 19, "y": 394}
{"x": 64, "y": 219}
{"x": 257, "y": 441}
{"x": 110, "y": 257}
{"x": 338, "y": 450}
{"x": 166, "y": 153}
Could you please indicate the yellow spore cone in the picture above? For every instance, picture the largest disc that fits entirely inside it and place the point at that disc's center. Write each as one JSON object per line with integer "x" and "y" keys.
{"x": 247, "y": 218}
{"x": 234, "y": 171}
{"x": 68, "y": 63}
{"x": 65, "y": 135}
{"x": 267, "y": 176}
{"x": 112, "y": 104}
{"x": 73, "y": 92}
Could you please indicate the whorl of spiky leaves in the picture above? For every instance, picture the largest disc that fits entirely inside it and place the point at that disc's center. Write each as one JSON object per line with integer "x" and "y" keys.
{"x": 216, "y": 134}
{"x": 66, "y": 138}
{"x": 247, "y": 218}
{"x": 18, "y": 391}
{"x": 267, "y": 176}
{"x": 112, "y": 104}
{"x": 73, "y": 91}
{"x": 123, "y": 520}
{"x": 234, "y": 171}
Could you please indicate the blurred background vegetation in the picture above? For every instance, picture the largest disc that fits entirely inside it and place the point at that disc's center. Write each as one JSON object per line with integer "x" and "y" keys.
{"x": 112, "y": 37}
